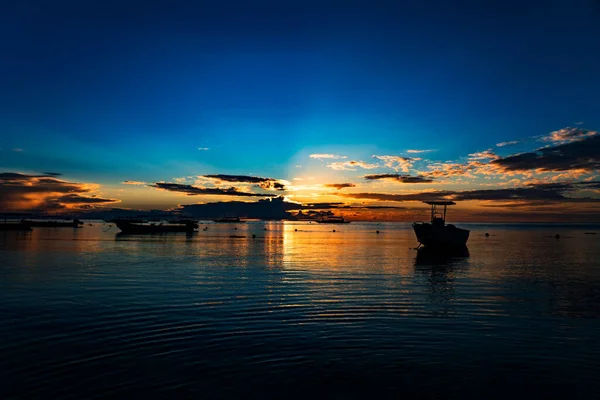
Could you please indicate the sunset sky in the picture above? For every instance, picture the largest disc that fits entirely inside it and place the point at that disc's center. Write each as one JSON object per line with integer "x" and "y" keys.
{"x": 152, "y": 105}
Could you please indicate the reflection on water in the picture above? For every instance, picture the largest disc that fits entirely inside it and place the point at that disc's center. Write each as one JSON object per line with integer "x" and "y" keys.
{"x": 440, "y": 257}
{"x": 275, "y": 309}
{"x": 441, "y": 267}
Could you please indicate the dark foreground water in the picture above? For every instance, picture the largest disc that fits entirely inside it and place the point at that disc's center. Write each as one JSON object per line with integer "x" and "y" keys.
{"x": 87, "y": 313}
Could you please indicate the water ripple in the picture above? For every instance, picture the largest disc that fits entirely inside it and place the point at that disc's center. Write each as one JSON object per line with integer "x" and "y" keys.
{"x": 334, "y": 314}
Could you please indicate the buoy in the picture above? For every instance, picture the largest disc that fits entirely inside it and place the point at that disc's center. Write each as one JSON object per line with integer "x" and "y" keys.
{"x": 487, "y": 234}
{"x": 295, "y": 230}
{"x": 377, "y": 232}
{"x": 253, "y": 236}
{"x": 557, "y": 236}
{"x": 235, "y": 229}
{"x": 334, "y": 230}
{"x": 265, "y": 229}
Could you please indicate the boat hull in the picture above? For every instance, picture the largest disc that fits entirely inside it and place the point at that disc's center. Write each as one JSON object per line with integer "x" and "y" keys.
{"x": 138, "y": 229}
{"x": 447, "y": 236}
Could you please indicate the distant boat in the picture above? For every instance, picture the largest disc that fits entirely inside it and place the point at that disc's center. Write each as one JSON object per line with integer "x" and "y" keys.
{"x": 437, "y": 233}
{"x": 332, "y": 220}
{"x": 141, "y": 226}
{"x": 52, "y": 223}
{"x": 228, "y": 219}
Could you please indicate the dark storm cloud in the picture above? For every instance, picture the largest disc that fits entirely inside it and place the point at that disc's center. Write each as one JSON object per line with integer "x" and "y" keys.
{"x": 581, "y": 154}
{"x": 15, "y": 176}
{"x": 265, "y": 183}
{"x": 554, "y": 192}
{"x": 589, "y": 185}
{"x": 194, "y": 191}
{"x": 399, "y": 178}
{"x": 271, "y": 208}
{"x": 339, "y": 185}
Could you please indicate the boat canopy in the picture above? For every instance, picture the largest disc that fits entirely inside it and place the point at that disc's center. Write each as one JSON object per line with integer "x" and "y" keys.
{"x": 440, "y": 203}
{"x": 439, "y": 215}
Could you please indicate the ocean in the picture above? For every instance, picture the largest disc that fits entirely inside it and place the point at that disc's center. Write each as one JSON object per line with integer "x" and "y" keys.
{"x": 299, "y": 310}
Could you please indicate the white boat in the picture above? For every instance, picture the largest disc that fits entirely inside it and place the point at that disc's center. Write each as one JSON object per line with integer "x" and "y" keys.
{"x": 437, "y": 233}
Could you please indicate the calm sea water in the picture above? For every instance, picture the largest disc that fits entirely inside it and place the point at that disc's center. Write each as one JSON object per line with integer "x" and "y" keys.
{"x": 88, "y": 313}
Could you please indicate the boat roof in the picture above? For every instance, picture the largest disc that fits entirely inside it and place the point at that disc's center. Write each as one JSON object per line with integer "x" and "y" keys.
{"x": 440, "y": 203}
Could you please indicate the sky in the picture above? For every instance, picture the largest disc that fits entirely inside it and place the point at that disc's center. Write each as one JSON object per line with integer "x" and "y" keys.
{"x": 159, "y": 104}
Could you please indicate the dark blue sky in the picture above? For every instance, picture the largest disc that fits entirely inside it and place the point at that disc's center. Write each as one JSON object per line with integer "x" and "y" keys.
{"x": 113, "y": 90}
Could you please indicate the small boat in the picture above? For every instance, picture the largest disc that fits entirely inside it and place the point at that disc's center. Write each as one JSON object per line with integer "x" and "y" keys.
{"x": 332, "y": 220}
{"x": 437, "y": 233}
{"x": 228, "y": 219}
{"x": 141, "y": 226}
{"x": 52, "y": 223}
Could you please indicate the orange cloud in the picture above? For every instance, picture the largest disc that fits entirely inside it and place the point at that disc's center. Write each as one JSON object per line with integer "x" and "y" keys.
{"x": 350, "y": 165}
{"x": 397, "y": 163}
{"x": 45, "y": 192}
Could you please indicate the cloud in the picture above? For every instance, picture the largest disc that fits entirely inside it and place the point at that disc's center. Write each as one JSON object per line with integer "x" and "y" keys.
{"x": 418, "y": 151}
{"x": 133, "y": 183}
{"x": 583, "y": 153}
{"x": 271, "y": 208}
{"x": 16, "y": 176}
{"x": 449, "y": 169}
{"x": 203, "y": 148}
{"x": 553, "y": 192}
{"x": 484, "y": 155}
{"x": 265, "y": 183}
{"x": 194, "y": 190}
{"x": 330, "y": 205}
{"x": 393, "y": 196}
{"x": 350, "y": 165}
{"x": 43, "y": 192}
{"x": 397, "y": 163}
{"x": 339, "y": 185}
{"x": 78, "y": 199}
{"x": 400, "y": 178}
{"x": 568, "y": 135}
{"x": 510, "y": 143}
{"x": 321, "y": 156}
